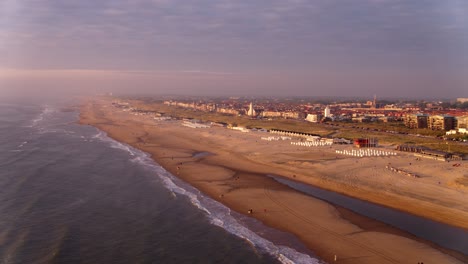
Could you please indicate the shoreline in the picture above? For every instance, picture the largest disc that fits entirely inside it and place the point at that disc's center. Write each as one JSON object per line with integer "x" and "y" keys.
{"x": 244, "y": 187}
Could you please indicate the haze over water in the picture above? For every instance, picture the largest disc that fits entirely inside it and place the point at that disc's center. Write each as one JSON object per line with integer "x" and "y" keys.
{"x": 70, "y": 194}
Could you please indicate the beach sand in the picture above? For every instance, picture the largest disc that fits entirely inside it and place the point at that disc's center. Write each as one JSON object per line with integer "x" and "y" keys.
{"x": 231, "y": 167}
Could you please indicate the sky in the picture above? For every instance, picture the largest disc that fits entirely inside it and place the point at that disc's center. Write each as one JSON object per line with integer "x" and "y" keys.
{"x": 391, "y": 48}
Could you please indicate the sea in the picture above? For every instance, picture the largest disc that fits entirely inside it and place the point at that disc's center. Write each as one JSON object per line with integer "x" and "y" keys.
{"x": 71, "y": 194}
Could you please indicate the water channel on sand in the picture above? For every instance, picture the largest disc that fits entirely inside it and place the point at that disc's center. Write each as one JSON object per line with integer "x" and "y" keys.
{"x": 443, "y": 235}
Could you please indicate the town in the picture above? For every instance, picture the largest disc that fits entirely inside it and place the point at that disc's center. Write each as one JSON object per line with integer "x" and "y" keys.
{"x": 433, "y": 116}
{"x": 419, "y": 126}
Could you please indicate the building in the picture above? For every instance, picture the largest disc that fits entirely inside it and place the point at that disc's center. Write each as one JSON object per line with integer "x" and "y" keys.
{"x": 283, "y": 114}
{"x": 462, "y": 122}
{"x": 326, "y": 112}
{"x": 441, "y": 122}
{"x": 455, "y": 131}
{"x": 292, "y": 115}
{"x": 228, "y": 111}
{"x": 421, "y": 151}
{"x": 272, "y": 114}
{"x": 462, "y": 100}
{"x": 314, "y": 118}
{"x": 416, "y": 120}
{"x": 251, "y": 111}
{"x": 365, "y": 142}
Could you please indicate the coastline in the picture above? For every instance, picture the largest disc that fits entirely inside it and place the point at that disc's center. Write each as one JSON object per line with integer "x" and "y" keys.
{"x": 234, "y": 175}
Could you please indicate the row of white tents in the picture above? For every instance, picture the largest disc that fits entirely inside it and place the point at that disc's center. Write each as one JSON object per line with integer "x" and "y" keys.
{"x": 275, "y": 138}
{"x": 289, "y": 133}
{"x": 312, "y": 143}
{"x": 366, "y": 153}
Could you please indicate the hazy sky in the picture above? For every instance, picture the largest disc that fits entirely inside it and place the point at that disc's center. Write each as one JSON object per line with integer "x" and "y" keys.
{"x": 397, "y": 48}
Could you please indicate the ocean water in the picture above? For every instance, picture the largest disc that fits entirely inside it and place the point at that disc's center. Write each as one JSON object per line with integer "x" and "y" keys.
{"x": 70, "y": 194}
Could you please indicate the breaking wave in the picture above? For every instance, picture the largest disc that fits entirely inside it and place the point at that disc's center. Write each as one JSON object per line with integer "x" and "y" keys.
{"x": 217, "y": 213}
{"x": 47, "y": 110}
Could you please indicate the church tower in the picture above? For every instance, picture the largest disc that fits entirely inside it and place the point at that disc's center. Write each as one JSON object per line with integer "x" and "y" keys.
{"x": 251, "y": 111}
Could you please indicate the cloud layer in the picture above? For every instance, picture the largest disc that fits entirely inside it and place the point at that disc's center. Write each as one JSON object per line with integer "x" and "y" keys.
{"x": 314, "y": 47}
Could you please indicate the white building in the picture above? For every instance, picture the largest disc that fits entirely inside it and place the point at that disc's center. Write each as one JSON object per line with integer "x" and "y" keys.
{"x": 455, "y": 131}
{"x": 272, "y": 114}
{"x": 314, "y": 118}
{"x": 251, "y": 111}
{"x": 326, "y": 112}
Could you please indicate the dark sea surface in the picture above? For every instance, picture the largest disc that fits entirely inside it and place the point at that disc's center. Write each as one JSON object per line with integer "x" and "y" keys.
{"x": 70, "y": 194}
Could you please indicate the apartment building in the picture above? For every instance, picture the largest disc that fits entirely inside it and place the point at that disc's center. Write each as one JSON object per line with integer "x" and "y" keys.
{"x": 416, "y": 120}
{"x": 441, "y": 122}
{"x": 462, "y": 122}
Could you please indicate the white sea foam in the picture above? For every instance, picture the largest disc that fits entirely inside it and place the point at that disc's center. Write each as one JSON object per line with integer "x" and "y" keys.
{"x": 217, "y": 213}
{"x": 115, "y": 144}
{"x": 47, "y": 109}
{"x": 43, "y": 125}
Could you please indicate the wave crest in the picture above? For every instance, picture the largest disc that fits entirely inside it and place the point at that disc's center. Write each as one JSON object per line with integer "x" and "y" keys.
{"x": 46, "y": 110}
{"x": 217, "y": 213}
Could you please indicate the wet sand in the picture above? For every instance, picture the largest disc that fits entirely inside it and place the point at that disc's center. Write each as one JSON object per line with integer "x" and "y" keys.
{"x": 234, "y": 173}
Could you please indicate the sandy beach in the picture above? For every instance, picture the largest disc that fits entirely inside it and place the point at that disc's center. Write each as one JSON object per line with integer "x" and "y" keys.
{"x": 231, "y": 167}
